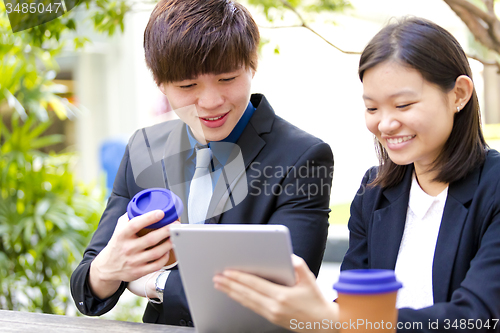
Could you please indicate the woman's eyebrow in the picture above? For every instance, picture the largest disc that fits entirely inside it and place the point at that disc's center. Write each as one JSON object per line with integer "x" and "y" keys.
{"x": 407, "y": 92}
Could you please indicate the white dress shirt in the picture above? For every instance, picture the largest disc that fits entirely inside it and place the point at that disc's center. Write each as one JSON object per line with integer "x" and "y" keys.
{"x": 416, "y": 252}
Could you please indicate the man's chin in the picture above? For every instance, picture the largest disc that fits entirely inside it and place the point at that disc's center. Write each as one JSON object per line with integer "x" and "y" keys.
{"x": 217, "y": 137}
{"x": 217, "y": 134}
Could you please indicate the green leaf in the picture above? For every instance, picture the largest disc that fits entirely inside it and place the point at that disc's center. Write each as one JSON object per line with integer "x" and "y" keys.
{"x": 28, "y": 229}
{"x": 42, "y": 207}
{"x": 46, "y": 141}
{"x": 71, "y": 24}
{"x": 39, "y": 129}
{"x": 40, "y": 226}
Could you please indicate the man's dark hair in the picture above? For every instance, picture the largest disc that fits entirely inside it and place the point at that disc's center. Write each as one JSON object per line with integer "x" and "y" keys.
{"x": 432, "y": 51}
{"x": 187, "y": 38}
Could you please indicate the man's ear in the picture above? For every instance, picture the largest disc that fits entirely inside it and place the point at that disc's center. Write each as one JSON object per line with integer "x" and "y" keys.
{"x": 161, "y": 86}
{"x": 463, "y": 90}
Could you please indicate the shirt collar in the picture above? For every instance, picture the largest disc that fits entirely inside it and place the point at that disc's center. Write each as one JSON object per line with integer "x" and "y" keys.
{"x": 420, "y": 202}
{"x": 220, "y": 152}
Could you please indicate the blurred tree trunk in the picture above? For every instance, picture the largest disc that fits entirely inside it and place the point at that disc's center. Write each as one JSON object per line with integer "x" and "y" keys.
{"x": 478, "y": 15}
{"x": 483, "y": 23}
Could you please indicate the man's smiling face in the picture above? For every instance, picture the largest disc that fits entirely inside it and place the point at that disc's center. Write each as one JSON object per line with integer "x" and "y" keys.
{"x": 211, "y": 104}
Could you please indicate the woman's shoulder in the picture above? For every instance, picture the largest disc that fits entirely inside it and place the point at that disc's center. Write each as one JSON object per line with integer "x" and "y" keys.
{"x": 485, "y": 181}
{"x": 370, "y": 175}
{"x": 491, "y": 168}
{"x": 366, "y": 190}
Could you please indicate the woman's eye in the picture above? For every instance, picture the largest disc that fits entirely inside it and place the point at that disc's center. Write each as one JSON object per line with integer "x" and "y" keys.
{"x": 371, "y": 109}
{"x": 404, "y": 106}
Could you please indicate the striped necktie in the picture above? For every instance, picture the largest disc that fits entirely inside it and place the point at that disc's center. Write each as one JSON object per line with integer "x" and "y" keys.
{"x": 200, "y": 190}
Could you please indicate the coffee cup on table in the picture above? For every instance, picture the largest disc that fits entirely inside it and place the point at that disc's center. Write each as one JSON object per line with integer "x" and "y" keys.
{"x": 157, "y": 199}
{"x": 367, "y": 300}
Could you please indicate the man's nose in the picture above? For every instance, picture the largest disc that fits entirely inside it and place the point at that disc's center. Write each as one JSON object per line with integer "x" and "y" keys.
{"x": 210, "y": 99}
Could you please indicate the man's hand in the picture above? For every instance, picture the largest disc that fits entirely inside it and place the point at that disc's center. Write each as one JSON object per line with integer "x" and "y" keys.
{"x": 145, "y": 286}
{"x": 128, "y": 257}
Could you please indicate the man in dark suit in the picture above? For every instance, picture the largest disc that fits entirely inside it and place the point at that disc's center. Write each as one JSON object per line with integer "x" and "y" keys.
{"x": 203, "y": 56}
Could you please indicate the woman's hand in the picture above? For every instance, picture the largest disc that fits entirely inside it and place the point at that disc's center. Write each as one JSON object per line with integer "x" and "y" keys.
{"x": 128, "y": 257}
{"x": 279, "y": 304}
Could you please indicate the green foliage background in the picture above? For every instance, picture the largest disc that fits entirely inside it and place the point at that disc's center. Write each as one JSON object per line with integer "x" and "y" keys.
{"x": 46, "y": 216}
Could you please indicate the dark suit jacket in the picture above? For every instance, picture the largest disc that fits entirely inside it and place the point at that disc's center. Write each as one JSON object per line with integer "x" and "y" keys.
{"x": 278, "y": 157}
{"x": 466, "y": 267}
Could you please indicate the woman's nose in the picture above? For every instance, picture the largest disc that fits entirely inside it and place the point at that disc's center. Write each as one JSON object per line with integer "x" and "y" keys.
{"x": 388, "y": 124}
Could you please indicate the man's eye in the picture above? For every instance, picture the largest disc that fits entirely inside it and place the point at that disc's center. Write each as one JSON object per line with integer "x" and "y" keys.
{"x": 371, "y": 109}
{"x": 229, "y": 79}
{"x": 187, "y": 86}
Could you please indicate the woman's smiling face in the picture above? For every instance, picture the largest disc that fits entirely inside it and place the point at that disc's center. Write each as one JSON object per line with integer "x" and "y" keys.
{"x": 411, "y": 117}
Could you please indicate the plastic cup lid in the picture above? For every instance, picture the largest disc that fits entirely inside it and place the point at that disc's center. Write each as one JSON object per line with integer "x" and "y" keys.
{"x": 156, "y": 198}
{"x": 367, "y": 281}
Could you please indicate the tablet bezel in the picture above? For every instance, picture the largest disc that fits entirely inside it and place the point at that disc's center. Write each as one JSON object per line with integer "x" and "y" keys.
{"x": 206, "y": 250}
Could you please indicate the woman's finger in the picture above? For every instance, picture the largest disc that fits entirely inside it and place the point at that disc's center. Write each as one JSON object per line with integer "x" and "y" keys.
{"x": 263, "y": 286}
{"x": 245, "y": 295}
{"x": 302, "y": 271}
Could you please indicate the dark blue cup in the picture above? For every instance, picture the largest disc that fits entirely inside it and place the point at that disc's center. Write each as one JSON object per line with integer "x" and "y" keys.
{"x": 367, "y": 281}
{"x": 153, "y": 199}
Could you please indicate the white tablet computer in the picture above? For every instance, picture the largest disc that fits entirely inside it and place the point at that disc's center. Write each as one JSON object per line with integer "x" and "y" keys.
{"x": 205, "y": 250}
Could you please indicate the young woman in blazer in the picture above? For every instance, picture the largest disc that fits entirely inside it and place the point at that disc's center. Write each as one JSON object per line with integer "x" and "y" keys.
{"x": 430, "y": 210}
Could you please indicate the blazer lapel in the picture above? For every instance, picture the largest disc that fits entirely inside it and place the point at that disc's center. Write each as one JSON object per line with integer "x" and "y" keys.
{"x": 249, "y": 144}
{"x": 452, "y": 224}
{"x": 174, "y": 155}
{"x": 388, "y": 224}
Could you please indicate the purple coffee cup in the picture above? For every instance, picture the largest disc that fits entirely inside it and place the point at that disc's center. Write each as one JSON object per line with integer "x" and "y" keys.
{"x": 367, "y": 281}
{"x": 367, "y": 296}
{"x": 153, "y": 199}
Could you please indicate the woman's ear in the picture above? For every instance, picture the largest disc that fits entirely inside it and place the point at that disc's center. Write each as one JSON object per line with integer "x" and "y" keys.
{"x": 462, "y": 91}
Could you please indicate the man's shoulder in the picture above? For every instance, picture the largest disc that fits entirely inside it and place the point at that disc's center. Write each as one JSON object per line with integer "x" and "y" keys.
{"x": 293, "y": 133}
{"x": 278, "y": 128}
{"x": 159, "y": 131}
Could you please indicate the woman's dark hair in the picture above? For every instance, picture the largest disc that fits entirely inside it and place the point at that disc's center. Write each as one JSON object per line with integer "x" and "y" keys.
{"x": 186, "y": 38}
{"x": 432, "y": 51}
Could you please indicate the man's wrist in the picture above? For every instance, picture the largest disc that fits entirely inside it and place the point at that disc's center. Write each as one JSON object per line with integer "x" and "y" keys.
{"x": 100, "y": 287}
{"x": 160, "y": 283}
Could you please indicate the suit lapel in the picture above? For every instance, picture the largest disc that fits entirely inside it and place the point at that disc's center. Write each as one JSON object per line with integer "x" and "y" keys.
{"x": 249, "y": 144}
{"x": 450, "y": 232}
{"x": 174, "y": 156}
{"x": 388, "y": 224}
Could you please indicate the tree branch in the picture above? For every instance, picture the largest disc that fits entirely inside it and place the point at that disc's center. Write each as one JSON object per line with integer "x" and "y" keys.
{"x": 292, "y": 8}
{"x": 464, "y": 9}
{"x": 490, "y": 5}
{"x": 329, "y": 43}
{"x": 476, "y": 26}
{"x": 485, "y": 62}
{"x": 305, "y": 25}
{"x": 282, "y": 26}
{"x": 473, "y": 9}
